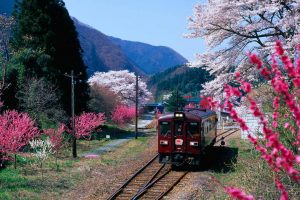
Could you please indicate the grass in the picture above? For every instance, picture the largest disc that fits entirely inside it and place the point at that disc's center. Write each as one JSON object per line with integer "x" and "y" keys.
{"x": 29, "y": 181}
{"x": 133, "y": 148}
{"x": 251, "y": 174}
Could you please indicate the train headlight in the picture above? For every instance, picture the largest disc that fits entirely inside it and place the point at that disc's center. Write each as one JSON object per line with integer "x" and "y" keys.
{"x": 194, "y": 144}
{"x": 179, "y": 115}
{"x": 163, "y": 142}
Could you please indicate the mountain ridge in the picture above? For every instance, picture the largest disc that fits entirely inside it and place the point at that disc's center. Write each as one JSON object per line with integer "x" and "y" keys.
{"x": 150, "y": 58}
{"x": 104, "y": 53}
{"x": 143, "y": 58}
{"x": 99, "y": 53}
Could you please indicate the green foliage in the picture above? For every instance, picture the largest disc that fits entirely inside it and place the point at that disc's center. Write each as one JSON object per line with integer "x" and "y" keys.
{"x": 187, "y": 80}
{"x": 175, "y": 102}
{"x": 287, "y": 138}
{"x": 45, "y": 27}
{"x": 40, "y": 100}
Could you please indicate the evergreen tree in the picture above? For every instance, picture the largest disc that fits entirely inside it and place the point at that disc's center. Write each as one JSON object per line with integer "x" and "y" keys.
{"x": 44, "y": 26}
{"x": 175, "y": 102}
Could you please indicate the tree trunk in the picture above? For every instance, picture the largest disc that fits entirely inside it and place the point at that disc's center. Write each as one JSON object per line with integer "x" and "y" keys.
{"x": 42, "y": 169}
{"x": 15, "y": 163}
{"x": 56, "y": 162}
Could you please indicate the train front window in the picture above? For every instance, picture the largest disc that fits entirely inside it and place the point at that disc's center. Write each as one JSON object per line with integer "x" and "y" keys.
{"x": 178, "y": 128}
{"x": 164, "y": 128}
{"x": 193, "y": 129}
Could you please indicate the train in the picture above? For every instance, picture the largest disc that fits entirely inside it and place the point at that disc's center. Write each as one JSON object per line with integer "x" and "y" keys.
{"x": 184, "y": 135}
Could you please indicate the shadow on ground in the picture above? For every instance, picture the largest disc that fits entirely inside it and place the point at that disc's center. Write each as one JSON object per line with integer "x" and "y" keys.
{"x": 117, "y": 133}
{"x": 217, "y": 159}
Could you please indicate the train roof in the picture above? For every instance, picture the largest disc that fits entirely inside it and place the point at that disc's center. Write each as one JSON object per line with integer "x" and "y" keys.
{"x": 191, "y": 114}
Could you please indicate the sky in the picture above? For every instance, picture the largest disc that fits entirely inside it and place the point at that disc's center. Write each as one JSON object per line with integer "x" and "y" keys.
{"x": 156, "y": 22}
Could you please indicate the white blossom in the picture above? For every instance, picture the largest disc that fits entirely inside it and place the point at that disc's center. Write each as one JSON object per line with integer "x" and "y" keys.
{"x": 42, "y": 149}
{"x": 231, "y": 29}
{"x": 123, "y": 84}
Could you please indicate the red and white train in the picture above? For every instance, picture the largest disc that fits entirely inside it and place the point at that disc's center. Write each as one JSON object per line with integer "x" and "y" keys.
{"x": 184, "y": 135}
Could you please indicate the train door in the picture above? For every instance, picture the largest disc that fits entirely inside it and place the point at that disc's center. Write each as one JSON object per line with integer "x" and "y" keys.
{"x": 179, "y": 140}
{"x": 193, "y": 137}
{"x": 203, "y": 133}
{"x": 164, "y": 137}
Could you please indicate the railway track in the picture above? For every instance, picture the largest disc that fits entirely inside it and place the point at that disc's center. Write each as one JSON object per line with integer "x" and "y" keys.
{"x": 152, "y": 181}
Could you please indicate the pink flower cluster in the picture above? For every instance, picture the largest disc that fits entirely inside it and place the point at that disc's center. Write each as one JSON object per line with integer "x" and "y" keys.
{"x": 86, "y": 123}
{"x": 16, "y": 130}
{"x": 56, "y": 136}
{"x": 123, "y": 114}
{"x": 238, "y": 194}
{"x": 279, "y": 157}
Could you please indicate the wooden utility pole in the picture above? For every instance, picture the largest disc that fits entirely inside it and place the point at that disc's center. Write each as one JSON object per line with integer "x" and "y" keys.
{"x": 74, "y": 146}
{"x": 177, "y": 102}
{"x": 136, "y": 105}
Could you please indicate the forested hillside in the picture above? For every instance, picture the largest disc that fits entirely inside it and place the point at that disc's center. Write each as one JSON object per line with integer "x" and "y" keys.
{"x": 99, "y": 53}
{"x": 151, "y": 59}
{"x": 187, "y": 80}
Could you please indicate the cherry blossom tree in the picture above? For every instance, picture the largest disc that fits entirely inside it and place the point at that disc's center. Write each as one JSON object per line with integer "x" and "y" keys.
{"x": 16, "y": 130}
{"x": 233, "y": 28}
{"x": 86, "y": 123}
{"x": 123, "y": 84}
{"x": 123, "y": 114}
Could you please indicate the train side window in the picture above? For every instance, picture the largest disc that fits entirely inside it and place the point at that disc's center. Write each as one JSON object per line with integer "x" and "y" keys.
{"x": 207, "y": 128}
{"x": 164, "y": 128}
{"x": 202, "y": 128}
{"x": 192, "y": 129}
{"x": 178, "y": 128}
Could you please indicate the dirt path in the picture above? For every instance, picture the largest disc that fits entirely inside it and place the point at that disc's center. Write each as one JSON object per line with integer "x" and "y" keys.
{"x": 106, "y": 148}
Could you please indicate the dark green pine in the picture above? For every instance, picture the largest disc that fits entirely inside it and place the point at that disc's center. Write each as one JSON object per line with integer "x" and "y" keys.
{"x": 45, "y": 26}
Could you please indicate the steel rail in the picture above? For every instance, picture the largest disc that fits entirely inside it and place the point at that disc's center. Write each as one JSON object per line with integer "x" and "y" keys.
{"x": 150, "y": 180}
{"x": 115, "y": 194}
{"x": 150, "y": 185}
{"x": 222, "y": 138}
{"x": 225, "y": 132}
{"x": 171, "y": 187}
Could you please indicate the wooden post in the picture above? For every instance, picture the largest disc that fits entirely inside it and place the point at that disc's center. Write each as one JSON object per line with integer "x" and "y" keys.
{"x": 136, "y": 105}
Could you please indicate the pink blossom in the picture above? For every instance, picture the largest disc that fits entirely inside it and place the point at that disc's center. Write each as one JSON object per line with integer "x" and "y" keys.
{"x": 56, "y": 136}
{"x": 279, "y": 49}
{"x": 237, "y": 75}
{"x": 274, "y": 124}
{"x": 91, "y": 156}
{"x": 238, "y": 194}
{"x": 286, "y": 125}
{"x": 273, "y": 151}
{"x": 296, "y": 82}
{"x": 284, "y": 194}
{"x": 265, "y": 73}
{"x": 86, "y": 123}
{"x": 276, "y": 102}
{"x": 247, "y": 87}
{"x": 255, "y": 60}
{"x": 298, "y": 159}
{"x": 123, "y": 114}
{"x": 16, "y": 130}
